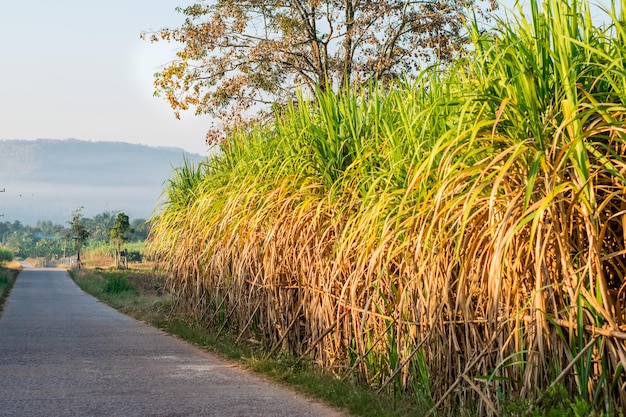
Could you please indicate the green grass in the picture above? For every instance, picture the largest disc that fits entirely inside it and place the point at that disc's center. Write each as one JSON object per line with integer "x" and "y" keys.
{"x": 103, "y": 253}
{"x": 4, "y": 284}
{"x": 133, "y": 292}
{"x": 7, "y": 279}
{"x": 118, "y": 283}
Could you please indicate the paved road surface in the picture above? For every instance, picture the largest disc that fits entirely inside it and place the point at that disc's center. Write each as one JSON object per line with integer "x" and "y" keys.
{"x": 63, "y": 353}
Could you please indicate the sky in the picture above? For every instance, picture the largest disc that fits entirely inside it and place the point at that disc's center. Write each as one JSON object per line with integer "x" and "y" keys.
{"x": 78, "y": 69}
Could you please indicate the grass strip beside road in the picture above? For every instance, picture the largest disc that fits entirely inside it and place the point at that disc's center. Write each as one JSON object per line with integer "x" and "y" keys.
{"x": 8, "y": 275}
{"x": 140, "y": 294}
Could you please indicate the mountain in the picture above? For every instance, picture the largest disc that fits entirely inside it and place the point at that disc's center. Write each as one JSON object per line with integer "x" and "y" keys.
{"x": 47, "y": 179}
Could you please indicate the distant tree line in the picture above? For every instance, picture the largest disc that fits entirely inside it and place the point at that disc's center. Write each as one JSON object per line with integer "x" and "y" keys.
{"x": 49, "y": 240}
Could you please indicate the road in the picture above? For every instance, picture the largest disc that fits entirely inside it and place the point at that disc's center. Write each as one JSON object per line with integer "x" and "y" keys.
{"x": 63, "y": 353}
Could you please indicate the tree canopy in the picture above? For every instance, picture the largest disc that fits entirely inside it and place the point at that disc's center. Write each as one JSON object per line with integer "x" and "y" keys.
{"x": 78, "y": 232}
{"x": 239, "y": 55}
{"x": 119, "y": 234}
{"x": 49, "y": 240}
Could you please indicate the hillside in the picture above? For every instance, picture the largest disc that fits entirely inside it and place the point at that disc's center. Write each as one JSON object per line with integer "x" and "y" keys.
{"x": 46, "y": 179}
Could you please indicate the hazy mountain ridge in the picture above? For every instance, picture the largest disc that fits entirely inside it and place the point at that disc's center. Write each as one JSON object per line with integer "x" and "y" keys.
{"x": 79, "y": 162}
{"x": 46, "y": 179}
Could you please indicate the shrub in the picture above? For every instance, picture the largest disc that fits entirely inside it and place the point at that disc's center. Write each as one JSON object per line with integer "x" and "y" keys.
{"x": 5, "y": 255}
{"x": 134, "y": 257}
{"x": 117, "y": 284}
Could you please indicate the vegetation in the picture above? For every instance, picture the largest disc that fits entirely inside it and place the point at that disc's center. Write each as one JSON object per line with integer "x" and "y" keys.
{"x": 5, "y": 255}
{"x": 46, "y": 240}
{"x": 119, "y": 234}
{"x": 135, "y": 292}
{"x": 145, "y": 299}
{"x": 240, "y": 55}
{"x": 22, "y": 240}
{"x": 8, "y": 274}
{"x": 457, "y": 240}
{"x": 78, "y": 233}
{"x": 102, "y": 254}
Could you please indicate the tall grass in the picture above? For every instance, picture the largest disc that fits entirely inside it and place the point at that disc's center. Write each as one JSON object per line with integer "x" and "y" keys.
{"x": 101, "y": 252}
{"x": 461, "y": 238}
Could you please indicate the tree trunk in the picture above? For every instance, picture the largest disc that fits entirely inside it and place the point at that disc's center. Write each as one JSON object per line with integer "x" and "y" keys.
{"x": 347, "y": 46}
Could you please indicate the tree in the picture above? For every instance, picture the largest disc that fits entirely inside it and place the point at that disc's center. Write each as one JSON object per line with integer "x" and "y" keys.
{"x": 47, "y": 228}
{"x": 141, "y": 229}
{"x": 100, "y": 224}
{"x": 20, "y": 242}
{"x": 78, "y": 233}
{"x": 239, "y": 54}
{"x": 48, "y": 248}
{"x": 119, "y": 234}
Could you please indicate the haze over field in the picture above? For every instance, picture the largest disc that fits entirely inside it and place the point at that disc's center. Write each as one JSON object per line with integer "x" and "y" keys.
{"x": 48, "y": 179}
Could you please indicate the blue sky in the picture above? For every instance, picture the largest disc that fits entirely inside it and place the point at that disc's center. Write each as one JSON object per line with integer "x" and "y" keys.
{"x": 77, "y": 69}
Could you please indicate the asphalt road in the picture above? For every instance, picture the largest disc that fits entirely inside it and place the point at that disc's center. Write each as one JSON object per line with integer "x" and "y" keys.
{"x": 63, "y": 353}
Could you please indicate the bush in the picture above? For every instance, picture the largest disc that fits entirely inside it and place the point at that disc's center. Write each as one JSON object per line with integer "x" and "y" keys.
{"x": 5, "y": 255}
{"x": 134, "y": 257}
{"x": 117, "y": 284}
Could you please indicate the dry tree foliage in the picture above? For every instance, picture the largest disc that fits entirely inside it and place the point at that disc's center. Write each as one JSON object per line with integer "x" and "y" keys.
{"x": 459, "y": 238}
{"x": 238, "y": 57}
